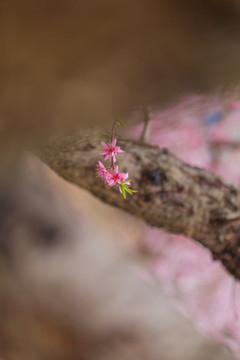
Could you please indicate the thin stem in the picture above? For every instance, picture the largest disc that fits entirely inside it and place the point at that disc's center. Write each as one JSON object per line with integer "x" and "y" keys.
{"x": 113, "y": 130}
{"x": 112, "y": 164}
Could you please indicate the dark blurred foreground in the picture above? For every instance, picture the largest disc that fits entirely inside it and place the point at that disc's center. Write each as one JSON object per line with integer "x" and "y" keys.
{"x": 70, "y": 288}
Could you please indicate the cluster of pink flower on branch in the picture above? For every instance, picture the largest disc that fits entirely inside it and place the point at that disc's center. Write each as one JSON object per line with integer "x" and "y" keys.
{"x": 111, "y": 175}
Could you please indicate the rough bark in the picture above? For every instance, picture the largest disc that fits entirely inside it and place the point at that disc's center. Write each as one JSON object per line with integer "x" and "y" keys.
{"x": 171, "y": 194}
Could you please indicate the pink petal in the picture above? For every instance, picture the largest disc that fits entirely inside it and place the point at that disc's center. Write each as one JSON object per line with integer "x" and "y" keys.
{"x": 114, "y": 142}
{"x": 104, "y": 145}
{"x": 102, "y": 153}
{"x": 117, "y": 149}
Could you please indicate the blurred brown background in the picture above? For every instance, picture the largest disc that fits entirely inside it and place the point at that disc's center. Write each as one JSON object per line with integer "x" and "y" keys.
{"x": 81, "y": 62}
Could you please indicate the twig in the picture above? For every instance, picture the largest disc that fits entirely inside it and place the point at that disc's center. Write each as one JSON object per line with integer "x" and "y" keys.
{"x": 146, "y": 128}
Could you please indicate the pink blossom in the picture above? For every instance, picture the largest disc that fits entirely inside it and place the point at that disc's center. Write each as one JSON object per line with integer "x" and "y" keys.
{"x": 110, "y": 150}
{"x": 117, "y": 178}
{"x": 103, "y": 172}
{"x": 111, "y": 175}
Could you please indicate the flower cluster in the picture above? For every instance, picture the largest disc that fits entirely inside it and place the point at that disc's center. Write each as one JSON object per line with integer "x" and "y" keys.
{"x": 110, "y": 150}
{"x": 111, "y": 175}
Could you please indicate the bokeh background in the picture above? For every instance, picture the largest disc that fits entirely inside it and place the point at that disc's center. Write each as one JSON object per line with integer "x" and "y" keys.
{"x": 206, "y": 133}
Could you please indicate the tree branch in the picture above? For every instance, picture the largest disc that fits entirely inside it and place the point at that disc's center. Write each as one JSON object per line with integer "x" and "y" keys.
{"x": 171, "y": 194}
